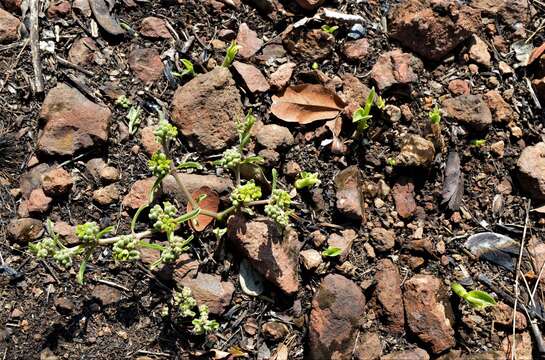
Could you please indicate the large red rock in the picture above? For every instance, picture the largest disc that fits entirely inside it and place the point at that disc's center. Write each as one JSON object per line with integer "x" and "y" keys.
{"x": 432, "y": 28}
{"x": 82, "y": 51}
{"x": 25, "y": 230}
{"x": 154, "y": 28}
{"x": 248, "y": 41}
{"x": 469, "y": 110}
{"x": 210, "y": 290}
{"x": 337, "y": 311}
{"x": 388, "y": 293}
{"x": 429, "y": 313}
{"x": 9, "y": 27}
{"x": 531, "y": 167}
{"x": 139, "y": 193}
{"x": 312, "y": 45}
{"x": 395, "y": 68}
{"x": 146, "y": 64}
{"x": 509, "y": 11}
{"x": 73, "y": 122}
{"x": 206, "y": 109}
{"x": 57, "y": 182}
{"x": 254, "y": 79}
{"x": 271, "y": 253}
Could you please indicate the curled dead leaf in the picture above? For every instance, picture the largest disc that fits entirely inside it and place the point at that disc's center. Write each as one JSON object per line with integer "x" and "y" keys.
{"x": 210, "y": 202}
{"x": 307, "y": 103}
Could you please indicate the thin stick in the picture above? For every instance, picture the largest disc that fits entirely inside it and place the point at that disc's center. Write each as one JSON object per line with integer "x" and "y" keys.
{"x": 516, "y": 290}
{"x": 538, "y": 280}
{"x": 73, "y": 66}
{"x": 35, "y": 46}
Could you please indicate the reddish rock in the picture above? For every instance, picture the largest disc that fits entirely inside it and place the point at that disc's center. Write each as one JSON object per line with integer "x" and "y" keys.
{"x": 429, "y": 314}
{"x": 337, "y": 310}
{"x": 59, "y": 9}
{"x": 501, "y": 111}
{"x": 147, "y": 137}
{"x": 272, "y": 254}
{"x": 32, "y": 179}
{"x": 210, "y": 290}
{"x": 354, "y": 93}
{"x": 388, "y": 293}
{"x": 511, "y": 12}
{"x": 25, "y": 230}
{"x": 282, "y": 76}
{"x": 343, "y": 241}
{"x": 72, "y": 122}
{"x": 531, "y": 167}
{"x": 254, "y": 80}
{"x": 38, "y": 202}
{"x": 470, "y": 110}
{"x": 309, "y": 4}
{"x": 522, "y": 346}
{"x": 459, "y": 87}
{"x": 310, "y": 259}
{"x": 503, "y": 315}
{"x": 139, "y": 194}
{"x": 313, "y": 45}
{"x": 248, "y": 41}
{"x": 106, "y": 195}
{"x": 82, "y": 51}
{"x": 395, "y": 68}
{"x": 430, "y": 28}
{"x": 356, "y": 50}
{"x": 146, "y": 64}
{"x": 368, "y": 347}
{"x": 154, "y": 28}
{"x": 9, "y": 27}
{"x": 478, "y": 52}
{"x": 66, "y": 232}
{"x": 194, "y": 182}
{"x": 383, "y": 240}
{"x": 403, "y": 194}
{"x": 206, "y": 109}
{"x": 539, "y": 87}
{"x": 414, "y": 354}
{"x": 13, "y": 6}
{"x": 348, "y": 184}
{"x": 101, "y": 171}
{"x": 274, "y": 136}
{"x": 106, "y": 295}
{"x": 57, "y": 182}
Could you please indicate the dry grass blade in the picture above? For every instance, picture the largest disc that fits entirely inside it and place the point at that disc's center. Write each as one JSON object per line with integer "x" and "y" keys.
{"x": 307, "y": 103}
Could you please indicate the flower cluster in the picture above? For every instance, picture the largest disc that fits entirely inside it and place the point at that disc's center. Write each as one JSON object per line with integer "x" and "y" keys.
{"x": 278, "y": 207}
{"x": 63, "y": 257}
{"x": 176, "y": 247}
{"x": 165, "y": 132}
{"x": 164, "y": 217}
{"x": 231, "y": 159}
{"x": 246, "y": 193}
{"x": 202, "y": 325}
{"x": 50, "y": 247}
{"x": 159, "y": 164}
{"x": 125, "y": 248}
{"x": 87, "y": 232}
{"x": 185, "y": 303}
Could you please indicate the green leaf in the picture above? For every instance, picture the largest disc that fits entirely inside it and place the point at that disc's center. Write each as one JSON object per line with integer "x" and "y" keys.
{"x": 256, "y": 160}
{"x": 232, "y": 51}
{"x": 479, "y": 299}
{"x": 148, "y": 245}
{"x": 189, "y": 216}
{"x": 105, "y": 231}
{"x": 82, "y": 267}
{"x": 458, "y": 290}
{"x": 189, "y": 165}
{"x": 329, "y": 29}
{"x": 134, "y": 118}
{"x": 332, "y": 251}
{"x": 274, "y": 178}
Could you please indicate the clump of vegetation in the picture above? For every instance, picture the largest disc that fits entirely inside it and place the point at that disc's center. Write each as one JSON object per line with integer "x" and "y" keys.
{"x": 185, "y": 305}
{"x": 231, "y": 53}
{"x": 332, "y": 251}
{"x": 362, "y": 116}
{"x": 329, "y": 29}
{"x": 188, "y": 69}
{"x": 306, "y": 180}
{"x": 476, "y": 298}
{"x": 435, "y": 124}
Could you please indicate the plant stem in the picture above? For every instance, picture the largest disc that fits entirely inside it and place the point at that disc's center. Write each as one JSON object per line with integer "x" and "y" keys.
{"x": 108, "y": 241}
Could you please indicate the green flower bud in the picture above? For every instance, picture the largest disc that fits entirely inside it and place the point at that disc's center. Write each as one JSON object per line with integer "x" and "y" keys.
{"x": 165, "y": 132}
{"x": 87, "y": 232}
{"x": 159, "y": 164}
{"x": 245, "y": 194}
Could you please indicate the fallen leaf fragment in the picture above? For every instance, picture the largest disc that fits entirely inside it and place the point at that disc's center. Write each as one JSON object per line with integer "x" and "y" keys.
{"x": 453, "y": 187}
{"x": 307, "y": 103}
{"x": 211, "y": 203}
{"x": 104, "y": 18}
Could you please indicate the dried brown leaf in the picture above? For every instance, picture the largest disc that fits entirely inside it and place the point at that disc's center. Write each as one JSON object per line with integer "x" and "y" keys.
{"x": 211, "y": 203}
{"x": 536, "y": 53}
{"x": 306, "y": 103}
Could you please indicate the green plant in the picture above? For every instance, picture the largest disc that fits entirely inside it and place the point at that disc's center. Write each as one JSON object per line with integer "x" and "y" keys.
{"x": 476, "y": 298}
{"x": 231, "y": 53}
{"x": 362, "y": 116}
{"x": 391, "y": 162}
{"x": 435, "y": 115}
{"x": 314, "y": 66}
{"x": 477, "y": 142}
{"x": 381, "y": 104}
{"x": 188, "y": 69}
{"x": 134, "y": 119}
{"x": 166, "y": 219}
{"x": 332, "y": 251}
{"x": 123, "y": 101}
{"x": 329, "y": 29}
{"x": 185, "y": 305}
{"x": 306, "y": 179}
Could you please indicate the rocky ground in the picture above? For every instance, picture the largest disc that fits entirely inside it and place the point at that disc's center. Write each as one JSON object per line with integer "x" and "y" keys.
{"x": 400, "y": 202}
